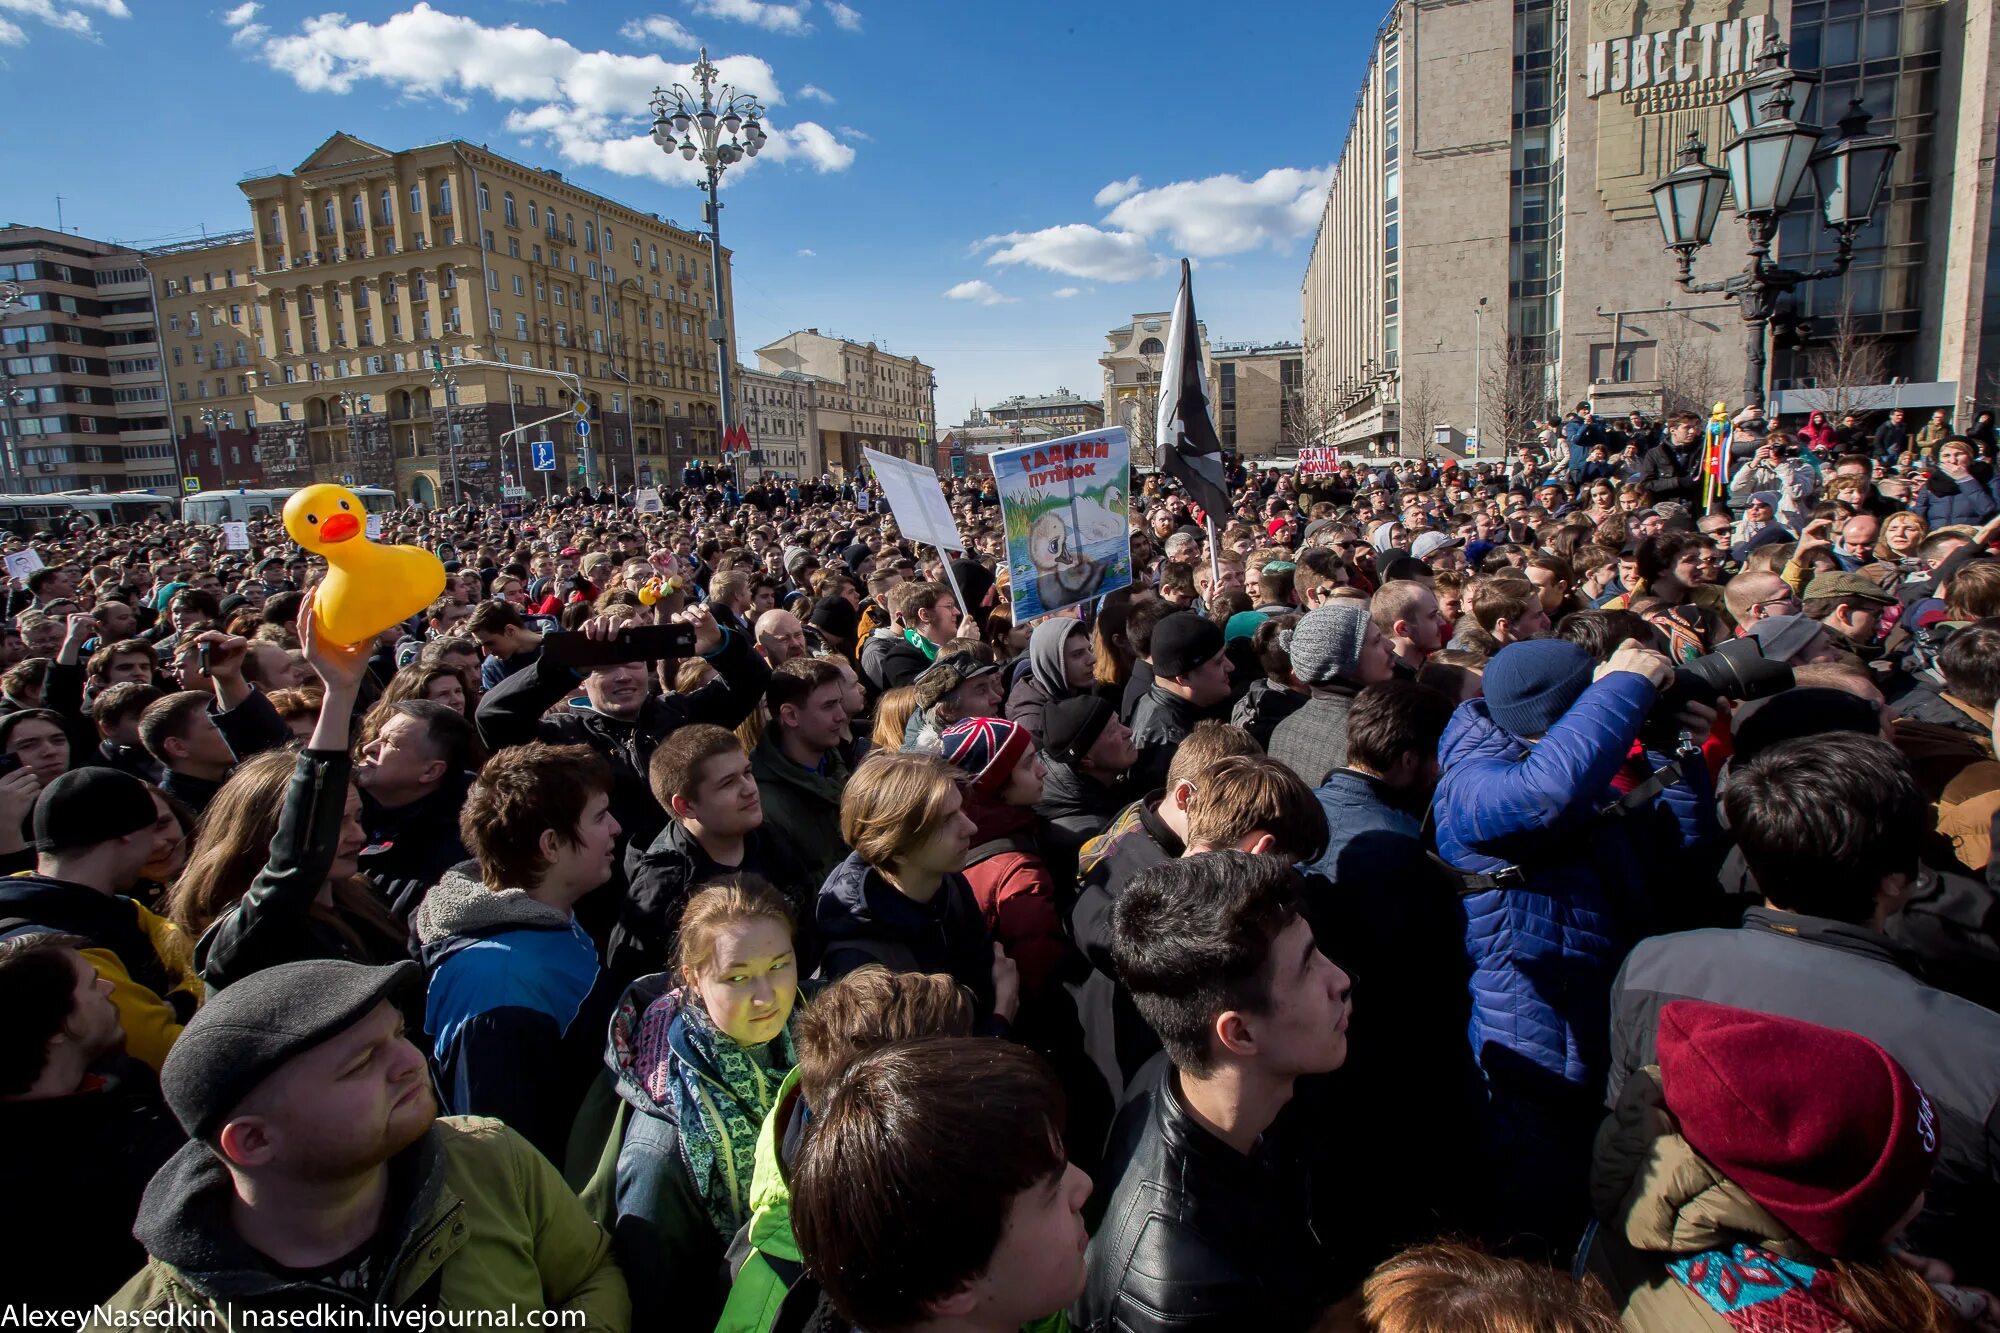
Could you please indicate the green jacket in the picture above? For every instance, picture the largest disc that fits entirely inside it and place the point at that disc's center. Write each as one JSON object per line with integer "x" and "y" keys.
{"x": 484, "y": 1222}
{"x": 802, "y": 805}
{"x": 765, "y": 1256}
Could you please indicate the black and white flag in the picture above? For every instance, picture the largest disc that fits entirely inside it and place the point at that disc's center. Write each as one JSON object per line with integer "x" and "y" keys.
{"x": 1190, "y": 451}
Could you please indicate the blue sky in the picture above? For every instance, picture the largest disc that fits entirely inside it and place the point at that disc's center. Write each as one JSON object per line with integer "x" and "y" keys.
{"x": 989, "y": 186}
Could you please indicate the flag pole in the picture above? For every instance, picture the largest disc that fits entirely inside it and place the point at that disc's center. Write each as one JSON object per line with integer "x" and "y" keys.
{"x": 1214, "y": 552}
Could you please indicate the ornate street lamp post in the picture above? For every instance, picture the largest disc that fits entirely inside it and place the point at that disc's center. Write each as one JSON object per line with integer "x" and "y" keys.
{"x": 721, "y": 127}
{"x": 1767, "y": 160}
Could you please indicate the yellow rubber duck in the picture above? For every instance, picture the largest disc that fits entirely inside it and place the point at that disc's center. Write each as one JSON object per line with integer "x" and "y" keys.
{"x": 368, "y": 587}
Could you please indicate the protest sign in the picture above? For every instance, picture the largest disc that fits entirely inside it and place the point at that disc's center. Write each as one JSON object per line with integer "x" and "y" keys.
{"x": 1065, "y": 504}
{"x": 917, "y": 501}
{"x": 236, "y": 536}
{"x": 23, "y": 563}
{"x": 374, "y": 529}
{"x": 647, "y": 501}
{"x": 1313, "y": 459}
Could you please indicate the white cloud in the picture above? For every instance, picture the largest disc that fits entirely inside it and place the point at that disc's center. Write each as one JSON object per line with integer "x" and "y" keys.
{"x": 1064, "y": 293}
{"x": 241, "y": 15}
{"x": 70, "y": 16}
{"x": 816, "y": 93}
{"x": 659, "y": 28}
{"x": 787, "y": 19}
{"x": 1116, "y": 191}
{"x": 844, "y": 16}
{"x": 590, "y": 107}
{"x": 1219, "y": 215}
{"x": 807, "y": 254}
{"x": 849, "y": 132}
{"x": 977, "y": 289}
{"x": 813, "y": 144}
{"x": 1225, "y": 215}
{"x": 1077, "y": 250}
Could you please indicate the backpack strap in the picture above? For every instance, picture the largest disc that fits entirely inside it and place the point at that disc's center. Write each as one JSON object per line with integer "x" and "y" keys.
{"x": 996, "y": 847}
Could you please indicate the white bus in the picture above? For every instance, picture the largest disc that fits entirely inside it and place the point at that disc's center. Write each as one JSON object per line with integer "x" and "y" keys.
{"x": 239, "y": 506}
{"x": 26, "y": 514}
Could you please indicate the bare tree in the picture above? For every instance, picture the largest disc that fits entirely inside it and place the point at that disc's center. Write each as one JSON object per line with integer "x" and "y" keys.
{"x": 1421, "y": 414}
{"x": 1690, "y": 378}
{"x": 1517, "y": 392}
{"x": 1310, "y": 411}
{"x": 1847, "y": 366}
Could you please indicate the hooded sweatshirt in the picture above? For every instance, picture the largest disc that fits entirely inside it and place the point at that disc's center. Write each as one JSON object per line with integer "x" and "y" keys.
{"x": 516, "y": 1006}
{"x": 1047, "y": 681}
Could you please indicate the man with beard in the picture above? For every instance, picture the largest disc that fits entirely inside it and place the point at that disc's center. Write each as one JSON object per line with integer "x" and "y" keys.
{"x": 319, "y": 1177}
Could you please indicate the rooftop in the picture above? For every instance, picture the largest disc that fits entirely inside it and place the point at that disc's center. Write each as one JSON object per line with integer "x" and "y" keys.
{"x": 1060, "y": 398}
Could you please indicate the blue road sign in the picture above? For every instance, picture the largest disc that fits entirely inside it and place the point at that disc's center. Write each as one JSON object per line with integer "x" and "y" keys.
{"x": 582, "y": 428}
{"x": 544, "y": 455}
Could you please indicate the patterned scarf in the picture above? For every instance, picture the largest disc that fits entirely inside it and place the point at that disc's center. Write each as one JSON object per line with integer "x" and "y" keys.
{"x": 921, "y": 644}
{"x": 1762, "y": 1293}
{"x": 720, "y": 1093}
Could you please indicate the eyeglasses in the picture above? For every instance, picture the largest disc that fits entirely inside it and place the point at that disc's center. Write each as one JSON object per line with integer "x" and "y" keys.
{"x": 1788, "y": 600}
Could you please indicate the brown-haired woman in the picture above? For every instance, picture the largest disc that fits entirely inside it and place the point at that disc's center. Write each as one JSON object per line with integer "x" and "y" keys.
{"x": 901, "y": 897}
{"x": 698, "y": 1054}
{"x": 273, "y": 878}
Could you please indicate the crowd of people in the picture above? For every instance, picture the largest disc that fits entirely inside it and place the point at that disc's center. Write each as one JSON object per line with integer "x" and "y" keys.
{"x": 1546, "y": 896}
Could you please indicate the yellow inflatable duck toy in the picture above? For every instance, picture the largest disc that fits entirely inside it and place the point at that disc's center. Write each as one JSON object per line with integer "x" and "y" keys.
{"x": 367, "y": 587}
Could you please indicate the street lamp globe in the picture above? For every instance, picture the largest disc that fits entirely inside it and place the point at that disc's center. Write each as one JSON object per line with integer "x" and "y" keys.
{"x": 1770, "y": 93}
{"x": 1768, "y": 163}
{"x": 1851, "y": 173}
{"x": 1689, "y": 199}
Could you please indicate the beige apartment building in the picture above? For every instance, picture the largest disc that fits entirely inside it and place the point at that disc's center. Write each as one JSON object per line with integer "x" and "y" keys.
{"x": 777, "y": 409}
{"x": 82, "y": 360}
{"x": 1131, "y": 362}
{"x": 864, "y": 397}
{"x": 1062, "y": 412}
{"x": 1488, "y": 244}
{"x": 366, "y": 264}
{"x": 210, "y": 365}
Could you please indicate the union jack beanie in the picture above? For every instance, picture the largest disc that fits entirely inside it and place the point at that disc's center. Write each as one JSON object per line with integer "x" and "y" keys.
{"x": 988, "y": 748}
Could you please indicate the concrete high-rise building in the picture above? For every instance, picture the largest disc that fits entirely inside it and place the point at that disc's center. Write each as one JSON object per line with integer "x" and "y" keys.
{"x": 82, "y": 357}
{"x": 1488, "y": 249}
{"x": 363, "y": 264}
{"x": 866, "y": 397}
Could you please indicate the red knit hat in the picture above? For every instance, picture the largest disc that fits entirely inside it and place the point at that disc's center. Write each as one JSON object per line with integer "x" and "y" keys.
{"x": 1819, "y": 1126}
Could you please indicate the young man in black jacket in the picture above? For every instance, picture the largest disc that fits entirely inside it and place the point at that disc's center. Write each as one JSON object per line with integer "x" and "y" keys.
{"x": 702, "y": 778}
{"x": 1210, "y": 1211}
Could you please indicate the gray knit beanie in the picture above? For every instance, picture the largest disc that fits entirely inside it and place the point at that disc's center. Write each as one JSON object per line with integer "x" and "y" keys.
{"x": 1327, "y": 642}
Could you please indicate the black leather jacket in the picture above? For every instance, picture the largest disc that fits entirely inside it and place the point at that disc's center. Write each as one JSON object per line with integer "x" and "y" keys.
{"x": 1196, "y": 1235}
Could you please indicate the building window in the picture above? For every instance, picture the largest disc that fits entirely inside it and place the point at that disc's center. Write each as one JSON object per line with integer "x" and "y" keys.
{"x": 417, "y": 198}
{"x": 507, "y": 210}
{"x": 444, "y": 198}
{"x": 485, "y": 200}
{"x": 357, "y": 211}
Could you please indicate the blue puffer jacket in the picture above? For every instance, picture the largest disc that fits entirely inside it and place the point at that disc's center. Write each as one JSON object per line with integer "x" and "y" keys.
{"x": 1544, "y": 952}
{"x": 1969, "y": 502}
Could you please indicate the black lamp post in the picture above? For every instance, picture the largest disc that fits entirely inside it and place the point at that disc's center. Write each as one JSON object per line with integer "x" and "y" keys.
{"x": 1767, "y": 161}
